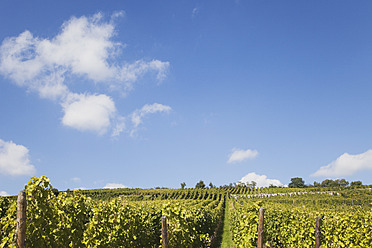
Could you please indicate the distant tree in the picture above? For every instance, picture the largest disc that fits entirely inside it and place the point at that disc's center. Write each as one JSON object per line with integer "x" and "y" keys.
{"x": 356, "y": 183}
{"x": 342, "y": 182}
{"x": 329, "y": 183}
{"x": 335, "y": 183}
{"x": 252, "y": 184}
{"x": 316, "y": 184}
{"x": 211, "y": 185}
{"x": 183, "y": 185}
{"x": 297, "y": 182}
{"x": 200, "y": 185}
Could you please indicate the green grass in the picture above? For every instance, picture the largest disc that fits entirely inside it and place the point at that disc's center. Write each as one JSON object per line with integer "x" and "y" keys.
{"x": 226, "y": 233}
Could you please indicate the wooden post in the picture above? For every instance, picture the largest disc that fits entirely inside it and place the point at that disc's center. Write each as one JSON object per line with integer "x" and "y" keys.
{"x": 21, "y": 219}
{"x": 164, "y": 232}
{"x": 317, "y": 232}
{"x": 260, "y": 242}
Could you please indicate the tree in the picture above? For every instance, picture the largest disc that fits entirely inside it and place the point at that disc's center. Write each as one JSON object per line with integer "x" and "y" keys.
{"x": 296, "y": 182}
{"x": 211, "y": 185}
{"x": 356, "y": 183}
{"x": 342, "y": 182}
{"x": 335, "y": 183}
{"x": 200, "y": 185}
{"x": 329, "y": 183}
{"x": 183, "y": 185}
{"x": 253, "y": 184}
{"x": 316, "y": 184}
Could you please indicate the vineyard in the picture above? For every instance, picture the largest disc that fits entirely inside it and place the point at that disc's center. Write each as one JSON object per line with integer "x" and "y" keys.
{"x": 194, "y": 217}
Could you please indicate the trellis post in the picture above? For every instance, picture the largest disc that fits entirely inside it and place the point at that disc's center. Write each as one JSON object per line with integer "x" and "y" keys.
{"x": 21, "y": 219}
{"x": 260, "y": 241}
{"x": 164, "y": 232}
{"x": 317, "y": 232}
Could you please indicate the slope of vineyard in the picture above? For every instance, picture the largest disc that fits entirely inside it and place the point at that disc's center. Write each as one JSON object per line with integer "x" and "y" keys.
{"x": 132, "y": 217}
{"x": 74, "y": 220}
{"x": 291, "y": 222}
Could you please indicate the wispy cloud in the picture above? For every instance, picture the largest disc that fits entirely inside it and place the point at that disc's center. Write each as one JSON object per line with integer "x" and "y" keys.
{"x": 3, "y": 193}
{"x": 84, "y": 50}
{"x": 138, "y": 115}
{"x": 195, "y": 12}
{"x": 14, "y": 159}
{"x": 114, "y": 186}
{"x": 346, "y": 165}
{"x": 238, "y": 155}
{"x": 261, "y": 180}
{"x": 119, "y": 126}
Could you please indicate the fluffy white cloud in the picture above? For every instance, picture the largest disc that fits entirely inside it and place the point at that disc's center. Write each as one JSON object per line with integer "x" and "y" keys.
{"x": 98, "y": 113}
{"x": 3, "y": 193}
{"x": 138, "y": 115}
{"x": 14, "y": 159}
{"x": 84, "y": 49}
{"x": 89, "y": 112}
{"x": 114, "y": 186}
{"x": 238, "y": 155}
{"x": 346, "y": 165}
{"x": 261, "y": 180}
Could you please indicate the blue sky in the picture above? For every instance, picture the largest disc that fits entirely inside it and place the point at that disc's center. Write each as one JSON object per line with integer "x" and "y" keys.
{"x": 142, "y": 94}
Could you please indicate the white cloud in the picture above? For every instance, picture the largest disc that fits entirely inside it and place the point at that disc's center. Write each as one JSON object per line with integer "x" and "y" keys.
{"x": 261, "y": 180}
{"x": 84, "y": 50}
{"x": 14, "y": 159}
{"x": 238, "y": 155}
{"x": 114, "y": 186}
{"x": 3, "y": 193}
{"x": 82, "y": 47}
{"x": 138, "y": 115}
{"x": 119, "y": 126}
{"x": 130, "y": 73}
{"x": 89, "y": 112}
{"x": 346, "y": 165}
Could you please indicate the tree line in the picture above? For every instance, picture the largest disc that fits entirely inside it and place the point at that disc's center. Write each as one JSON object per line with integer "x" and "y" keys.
{"x": 296, "y": 182}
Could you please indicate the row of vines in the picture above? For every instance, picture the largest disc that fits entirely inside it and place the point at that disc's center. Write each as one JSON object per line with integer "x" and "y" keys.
{"x": 132, "y": 217}
{"x": 75, "y": 220}
{"x": 289, "y": 225}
